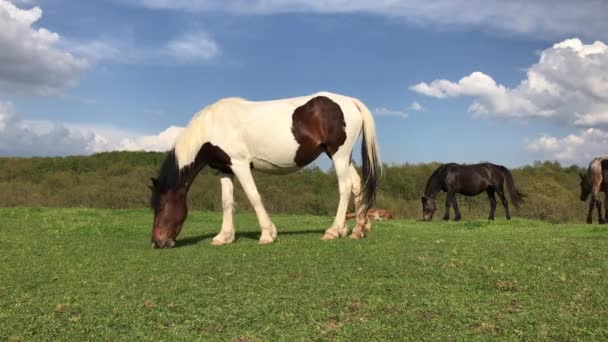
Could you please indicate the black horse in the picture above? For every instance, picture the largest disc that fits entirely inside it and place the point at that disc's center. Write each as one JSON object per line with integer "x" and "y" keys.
{"x": 469, "y": 180}
{"x": 594, "y": 182}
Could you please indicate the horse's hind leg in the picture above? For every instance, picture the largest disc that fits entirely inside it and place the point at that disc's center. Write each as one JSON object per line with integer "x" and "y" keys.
{"x": 505, "y": 203}
{"x": 606, "y": 207}
{"x": 600, "y": 218}
{"x": 363, "y": 223}
{"x": 590, "y": 211}
{"x": 338, "y": 228}
{"x": 492, "y": 199}
{"x": 226, "y": 234}
{"x": 243, "y": 172}
{"x": 448, "y": 202}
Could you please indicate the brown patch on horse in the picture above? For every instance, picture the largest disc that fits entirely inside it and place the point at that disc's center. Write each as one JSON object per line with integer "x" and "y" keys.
{"x": 215, "y": 157}
{"x": 374, "y": 214}
{"x": 318, "y": 126}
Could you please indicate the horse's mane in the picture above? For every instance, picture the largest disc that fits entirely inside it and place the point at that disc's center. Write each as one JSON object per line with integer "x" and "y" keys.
{"x": 435, "y": 177}
{"x": 168, "y": 179}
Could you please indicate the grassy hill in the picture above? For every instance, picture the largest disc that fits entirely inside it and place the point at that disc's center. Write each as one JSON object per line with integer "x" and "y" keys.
{"x": 119, "y": 180}
{"x": 90, "y": 274}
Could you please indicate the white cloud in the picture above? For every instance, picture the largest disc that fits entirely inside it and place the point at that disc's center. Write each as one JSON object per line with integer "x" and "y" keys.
{"x": 383, "y": 111}
{"x": 186, "y": 48}
{"x": 103, "y": 49}
{"x": 573, "y": 148}
{"x": 136, "y": 142}
{"x": 545, "y": 18}
{"x": 31, "y": 61}
{"x": 193, "y": 46}
{"x": 19, "y": 137}
{"x": 569, "y": 85}
{"x": 415, "y": 106}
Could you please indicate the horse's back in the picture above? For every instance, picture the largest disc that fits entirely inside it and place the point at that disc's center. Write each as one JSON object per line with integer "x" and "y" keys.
{"x": 266, "y": 131}
{"x": 470, "y": 179}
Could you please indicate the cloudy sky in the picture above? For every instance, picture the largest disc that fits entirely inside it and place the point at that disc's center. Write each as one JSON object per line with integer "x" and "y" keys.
{"x": 449, "y": 80}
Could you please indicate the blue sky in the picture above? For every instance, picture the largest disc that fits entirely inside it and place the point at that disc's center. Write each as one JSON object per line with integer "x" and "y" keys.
{"x": 508, "y": 82}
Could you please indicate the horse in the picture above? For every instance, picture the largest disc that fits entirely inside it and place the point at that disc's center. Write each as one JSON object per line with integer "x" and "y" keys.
{"x": 236, "y": 136}
{"x": 595, "y": 181}
{"x": 469, "y": 180}
{"x": 374, "y": 214}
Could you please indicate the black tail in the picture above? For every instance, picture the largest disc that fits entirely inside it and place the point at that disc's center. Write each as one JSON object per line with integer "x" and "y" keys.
{"x": 370, "y": 168}
{"x": 517, "y": 197}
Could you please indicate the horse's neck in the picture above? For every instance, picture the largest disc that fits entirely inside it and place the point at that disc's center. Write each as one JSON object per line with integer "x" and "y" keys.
{"x": 433, "y": 186}
{"x": 188, "y": 174}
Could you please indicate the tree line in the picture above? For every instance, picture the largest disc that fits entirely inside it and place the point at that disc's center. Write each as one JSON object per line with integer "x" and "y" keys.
{"x": 120, "y": 179}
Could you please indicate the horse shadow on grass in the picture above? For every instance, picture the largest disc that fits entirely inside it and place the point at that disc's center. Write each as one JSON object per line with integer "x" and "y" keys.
{"x": 193, "y": 240}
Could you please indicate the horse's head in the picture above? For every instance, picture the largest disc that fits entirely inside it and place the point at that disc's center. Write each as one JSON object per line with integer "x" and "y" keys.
{"x": 428, "y": 208}
{"x": 586, "y": 187}
{"x": 170, "y": 211}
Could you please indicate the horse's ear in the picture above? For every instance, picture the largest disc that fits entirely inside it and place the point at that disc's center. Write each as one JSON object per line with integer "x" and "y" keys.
{"x": 154, "y": 183}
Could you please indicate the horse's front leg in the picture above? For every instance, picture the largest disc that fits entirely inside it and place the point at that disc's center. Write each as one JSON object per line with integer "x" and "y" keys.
{"x": 338, "y": 228}
{"x": 226, "y": 234}
{"x": 448, "y": 203}
{"x": 243, "y": 172}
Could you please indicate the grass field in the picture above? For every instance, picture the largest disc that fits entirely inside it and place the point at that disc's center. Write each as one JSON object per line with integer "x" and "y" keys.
{"x": 83, "y": 274}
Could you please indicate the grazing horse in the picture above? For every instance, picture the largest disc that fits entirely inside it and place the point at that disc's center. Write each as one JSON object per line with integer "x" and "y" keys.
{"x": 374, "y": 214}
{"x": 235, "y": 136}
{"x": 469, "y": 180}
{"x": 592, "y": 183}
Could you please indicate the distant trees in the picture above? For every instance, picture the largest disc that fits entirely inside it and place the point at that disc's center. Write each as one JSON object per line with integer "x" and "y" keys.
{"x": 120, "y": 179}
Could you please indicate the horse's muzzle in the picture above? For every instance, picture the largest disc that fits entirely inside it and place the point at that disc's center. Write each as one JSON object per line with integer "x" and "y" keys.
{"x": 163, "y": 243}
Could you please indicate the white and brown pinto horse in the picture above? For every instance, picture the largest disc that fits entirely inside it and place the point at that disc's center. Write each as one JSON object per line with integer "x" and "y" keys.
{"x": 235, "y": 136}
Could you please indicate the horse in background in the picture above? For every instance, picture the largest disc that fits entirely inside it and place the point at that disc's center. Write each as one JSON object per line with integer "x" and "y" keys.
{"x": 469, "y": 180}
{"x": 374, "y": 214}
{"x": 235, "y": 136}
{"x": 592, "y": 183}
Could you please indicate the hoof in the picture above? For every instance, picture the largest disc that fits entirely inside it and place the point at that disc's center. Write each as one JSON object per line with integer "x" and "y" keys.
{"x": 357, "y": 235}
{"x": 457, "y": 218}
{"x": 265, "y": 240}
{"x": 589, "y": 221}
{"x": 221, "y": 239}
{"x": 446, "y": 218}
{"x": 219, "y": 242}
{"x": 329, "y": 236}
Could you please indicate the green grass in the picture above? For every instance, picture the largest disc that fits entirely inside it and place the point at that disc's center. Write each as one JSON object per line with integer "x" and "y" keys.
{"x": 83, "y": 274}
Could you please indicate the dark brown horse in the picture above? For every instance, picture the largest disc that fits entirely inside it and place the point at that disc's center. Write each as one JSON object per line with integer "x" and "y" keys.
{"x": 469, "y": 180}
{"x": 595, "y": 181}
